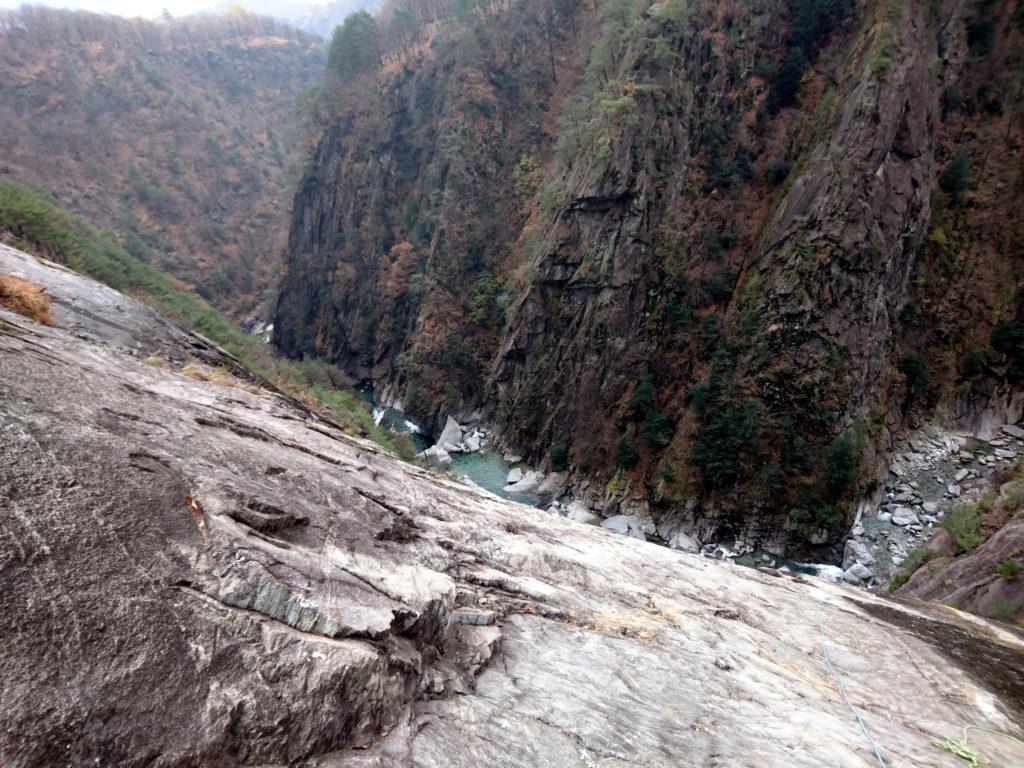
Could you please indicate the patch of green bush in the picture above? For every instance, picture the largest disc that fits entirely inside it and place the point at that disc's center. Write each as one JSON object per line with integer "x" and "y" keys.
{"x": 1004, "y": 610}
{"x": 981, "y": 34}
{"x": 1008, "y": 340}
{"x": 972, "y": 364}
{"x": 777, "y": 171}
{"x": 963, "y": 522}
{"x": 916, "y": 557}
{"x": 658, "y": 429}
{"x": 842, "y": 457}
{"x": 642, "y": 399}
{"x": 1008, "y": 569}
{"x": 917, "y": 375}
{"x": 812, "y": 23}
{"x": 956, "y": 176}
{"x": 626, "y": 455}
{"x": 559, "y": 454}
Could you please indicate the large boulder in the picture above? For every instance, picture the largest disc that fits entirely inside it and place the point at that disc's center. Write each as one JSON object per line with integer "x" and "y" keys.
{"x": 857, "y": 573}
{"x": 856, "y": 552}
{"x": 553, "y": 486}
{"x": 451, "y": 436}
{"x": 436, "y": 456}
{"x": 514, "y": 476}
{"x": 627, "y": 525}
{"x": 904, "y": 516}
{"x": 580, "y": 513}
{"x": 684, "y": 542}
{"x": 528, "y": 485}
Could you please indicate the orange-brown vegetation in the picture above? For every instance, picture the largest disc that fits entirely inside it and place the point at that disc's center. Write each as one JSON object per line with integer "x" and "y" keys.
{"x": 25, "y": 298}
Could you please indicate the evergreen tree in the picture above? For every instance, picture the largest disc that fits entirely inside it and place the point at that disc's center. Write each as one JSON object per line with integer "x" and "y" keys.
{"x": 355, "y": 45}
{"x": 956, "y": 176}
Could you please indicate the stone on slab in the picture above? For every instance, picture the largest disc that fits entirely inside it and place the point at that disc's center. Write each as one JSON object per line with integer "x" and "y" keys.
{"x": 529, "y": 484}
{"x": 627, "y": 525}
{"x": 684, "y": 543}
{"x": 580, "y": 513}
{"x": 856, "y": 552}
{"x": 857, "y": 573}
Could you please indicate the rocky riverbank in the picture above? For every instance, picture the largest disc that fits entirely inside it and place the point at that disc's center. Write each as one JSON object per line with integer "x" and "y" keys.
{"x": 932, "y": 471}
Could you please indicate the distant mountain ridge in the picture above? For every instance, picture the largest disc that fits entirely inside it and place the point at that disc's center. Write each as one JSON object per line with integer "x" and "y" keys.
{"x": 316, "y": 18}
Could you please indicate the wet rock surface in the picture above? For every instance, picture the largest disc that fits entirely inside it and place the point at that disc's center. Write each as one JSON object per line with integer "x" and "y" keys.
{"x": 196, "y": 574}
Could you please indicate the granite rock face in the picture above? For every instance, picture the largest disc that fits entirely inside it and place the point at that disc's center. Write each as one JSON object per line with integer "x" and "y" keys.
{"x": 195, "y": 574}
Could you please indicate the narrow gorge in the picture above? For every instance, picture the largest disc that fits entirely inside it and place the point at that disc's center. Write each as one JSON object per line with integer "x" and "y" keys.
{"x": 721, "y": 256}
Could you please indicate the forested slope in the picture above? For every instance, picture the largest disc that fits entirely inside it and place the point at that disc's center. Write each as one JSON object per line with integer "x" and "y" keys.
{"x": 181, "y": 134}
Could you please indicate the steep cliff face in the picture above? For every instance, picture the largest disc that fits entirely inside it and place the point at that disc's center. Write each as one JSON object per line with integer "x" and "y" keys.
{"x": 725, "y": 292}
{"x": 196, "y": 573}
{"x": 404, "y": 226}
{"x": 178, "y": 135}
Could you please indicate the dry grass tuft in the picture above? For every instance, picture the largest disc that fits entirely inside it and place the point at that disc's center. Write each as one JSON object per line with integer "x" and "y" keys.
{"x": 157, "y": 362}
{"x": 219, "y": 376}
{"x": 25, "y": 298}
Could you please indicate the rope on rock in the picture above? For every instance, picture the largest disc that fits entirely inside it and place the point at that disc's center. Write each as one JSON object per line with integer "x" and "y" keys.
{"x": 962, "y": 749}
{"x": 842, "y": 687}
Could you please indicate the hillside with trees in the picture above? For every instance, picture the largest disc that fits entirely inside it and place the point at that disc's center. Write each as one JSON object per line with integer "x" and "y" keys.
{"x": 182, "y": 135}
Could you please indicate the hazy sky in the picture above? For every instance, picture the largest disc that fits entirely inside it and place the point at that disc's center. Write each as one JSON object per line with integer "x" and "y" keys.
{"x": 148, "y": 8}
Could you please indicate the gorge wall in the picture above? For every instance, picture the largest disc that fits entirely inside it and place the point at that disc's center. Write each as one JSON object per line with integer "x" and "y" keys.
{"x": 717, "y": 253}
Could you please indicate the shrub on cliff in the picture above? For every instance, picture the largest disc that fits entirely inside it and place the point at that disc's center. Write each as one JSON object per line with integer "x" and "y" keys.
{"x": 1008, "y": 339}
{"x": 956, "y": 176}
{"x": 642, "y": 399}
{"x": 1008, "y": 569}
{"x": 843, "y": 460}
{"x": 658, "y": 429}
{"x": 915, "y": 372}
{"x": 626, "y": 455}
{"x": 559, "y": 455}
{"x": 916, "y": 557}
{"x": 962, "y": 522}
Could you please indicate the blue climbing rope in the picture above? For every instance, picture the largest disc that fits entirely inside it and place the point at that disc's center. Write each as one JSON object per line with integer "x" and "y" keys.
{"x": 842, "y": 687}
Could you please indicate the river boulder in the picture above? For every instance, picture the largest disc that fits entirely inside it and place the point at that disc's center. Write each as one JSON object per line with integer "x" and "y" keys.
{"x": 451, "y": 436}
